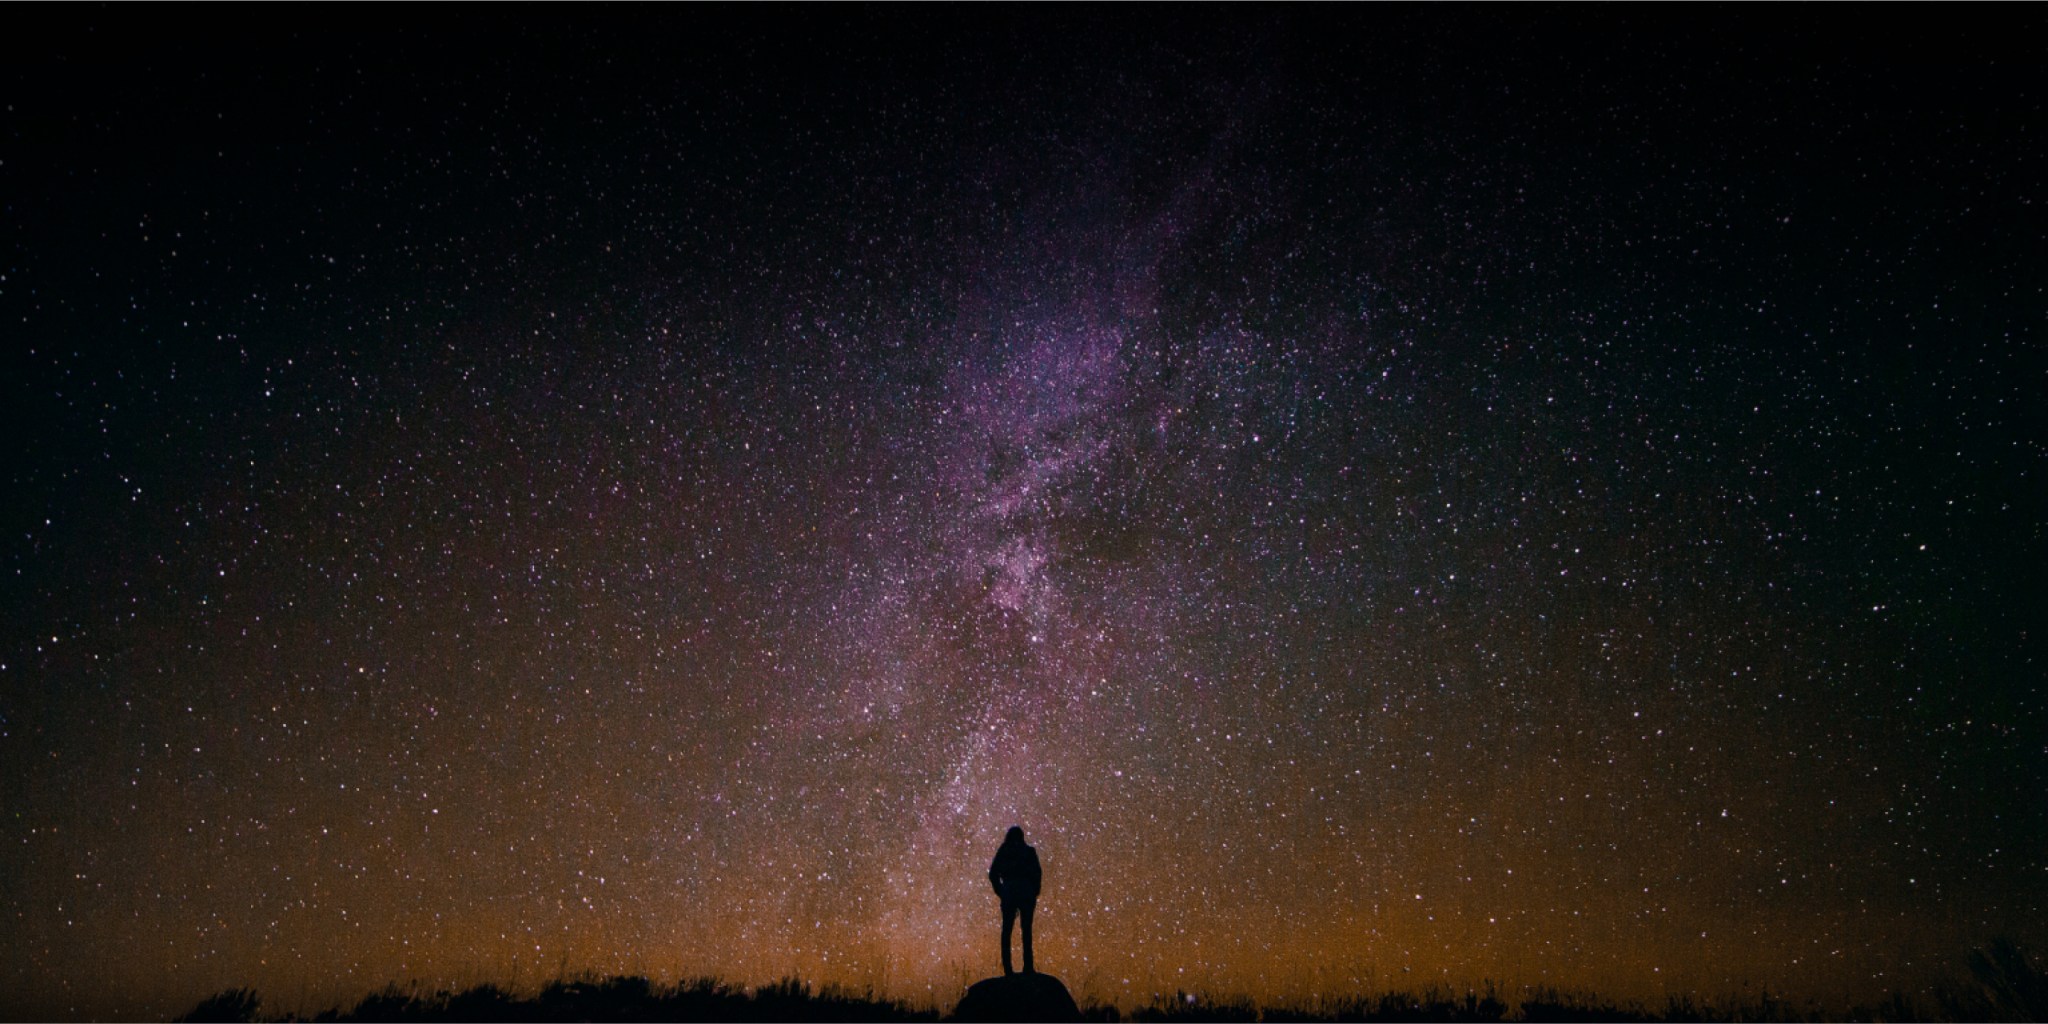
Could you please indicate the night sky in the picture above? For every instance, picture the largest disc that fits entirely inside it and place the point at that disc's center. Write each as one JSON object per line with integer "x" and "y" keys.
{"x": 1382, "y": 497}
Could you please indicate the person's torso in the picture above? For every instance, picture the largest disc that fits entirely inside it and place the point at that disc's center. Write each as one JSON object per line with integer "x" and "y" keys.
{"x": 1019, "y": 869}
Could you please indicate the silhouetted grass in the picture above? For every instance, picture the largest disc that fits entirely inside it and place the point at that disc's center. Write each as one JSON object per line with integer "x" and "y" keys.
{"x": 609, "y": 999}
{"x": 2004, "y": 985}
{"x": 233, "y": 1005}
{"x": 1434, "y": 1005}
{"x": 1187, "y": 1006}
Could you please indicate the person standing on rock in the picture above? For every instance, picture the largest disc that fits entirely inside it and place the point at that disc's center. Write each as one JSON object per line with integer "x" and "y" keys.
{"x": 1015, "y": 875}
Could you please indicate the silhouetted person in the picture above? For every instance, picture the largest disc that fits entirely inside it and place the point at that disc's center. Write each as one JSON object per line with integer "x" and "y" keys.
{"x": 1015, "y": 875}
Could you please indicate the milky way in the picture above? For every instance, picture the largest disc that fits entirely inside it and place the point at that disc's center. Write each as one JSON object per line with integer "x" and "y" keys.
{"x": 1381, "y": 502}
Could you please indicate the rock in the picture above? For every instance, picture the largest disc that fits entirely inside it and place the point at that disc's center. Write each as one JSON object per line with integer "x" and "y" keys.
{"x": 1018, "y": 997}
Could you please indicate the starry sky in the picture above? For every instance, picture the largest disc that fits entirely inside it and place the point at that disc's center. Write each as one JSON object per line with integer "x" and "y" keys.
{"x": 1383, "y": 498}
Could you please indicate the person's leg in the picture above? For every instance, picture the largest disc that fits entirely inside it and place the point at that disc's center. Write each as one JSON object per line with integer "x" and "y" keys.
{"x": 1010, "y": 921}
{"x": 1028, "y": 910}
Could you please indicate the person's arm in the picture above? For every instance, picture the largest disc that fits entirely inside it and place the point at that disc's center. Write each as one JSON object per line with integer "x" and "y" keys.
{"x": 995, "y": 878}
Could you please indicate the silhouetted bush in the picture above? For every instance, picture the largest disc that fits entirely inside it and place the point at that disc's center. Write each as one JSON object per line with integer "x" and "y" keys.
{"x": 479, "y": 1004}
{"x": 236, "y": 1005}
{"x": 2004, "y": 985}
{"x": 611, "y": 999}
{"x": 2014, "y": 987}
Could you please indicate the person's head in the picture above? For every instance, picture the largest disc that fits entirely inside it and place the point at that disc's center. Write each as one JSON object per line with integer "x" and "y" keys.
{"x": 1015, "y": 835}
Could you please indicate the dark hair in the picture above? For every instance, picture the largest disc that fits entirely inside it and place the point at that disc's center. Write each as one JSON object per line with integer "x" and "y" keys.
{"x": 1015, "y": 835}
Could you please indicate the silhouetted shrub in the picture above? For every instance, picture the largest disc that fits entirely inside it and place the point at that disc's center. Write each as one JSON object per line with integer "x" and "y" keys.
{"x": 2004, "y": 985}
{"x": 480, "y": 1004}
{"x": 389, "y": 1004}
{"x": 2013, "y": 987}
{"x": 236, "y": 1005}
